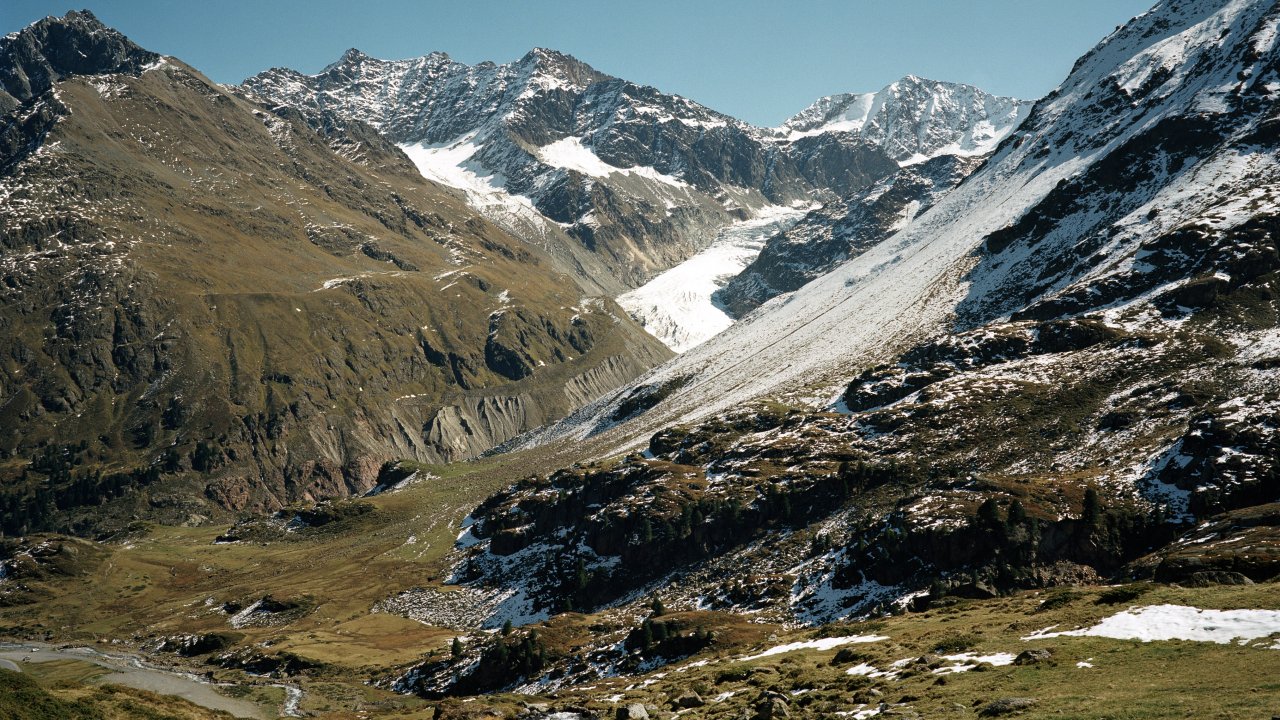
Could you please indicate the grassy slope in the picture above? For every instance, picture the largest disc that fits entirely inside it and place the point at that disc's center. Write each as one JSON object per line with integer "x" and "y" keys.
{"x": 205, "y": 230}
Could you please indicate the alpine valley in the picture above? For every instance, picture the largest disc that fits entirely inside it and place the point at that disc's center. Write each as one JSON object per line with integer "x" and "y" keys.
{"x": 420, "y": 389}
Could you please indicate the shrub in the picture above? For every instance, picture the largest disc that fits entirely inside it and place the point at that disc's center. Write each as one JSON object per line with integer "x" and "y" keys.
{"x": 1061, "y": 598}
{"x": 1122, "y": 594}
{"x": 954, "y": 643}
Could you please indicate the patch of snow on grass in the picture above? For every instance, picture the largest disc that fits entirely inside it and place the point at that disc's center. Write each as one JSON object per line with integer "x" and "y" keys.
{"x": 819, "y": 644}
{"x": 1178, "y": 622}
{"x": 968, "y": 661}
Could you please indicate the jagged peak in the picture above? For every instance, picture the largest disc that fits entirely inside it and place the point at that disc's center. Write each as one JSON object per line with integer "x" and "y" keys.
{"x": 826, "y": 107}
{"x": 543, "y": 55}
{"x": 352, "y": 57}
{"x": 561, "y": 65}
{"x": 53, "y": 48}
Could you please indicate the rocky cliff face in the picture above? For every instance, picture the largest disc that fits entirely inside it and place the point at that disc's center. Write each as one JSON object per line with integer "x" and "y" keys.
{"x": 842, "y": 229}
{"x": 32, "y": 61}
{"x": 638, "y": 178}
{"x": 202, "y": 293}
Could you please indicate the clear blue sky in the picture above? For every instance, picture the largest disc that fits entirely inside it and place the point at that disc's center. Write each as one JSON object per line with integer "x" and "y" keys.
{"x": 757, "y": 60}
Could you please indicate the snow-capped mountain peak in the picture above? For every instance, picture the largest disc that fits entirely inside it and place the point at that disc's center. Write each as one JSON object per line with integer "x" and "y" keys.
{"x": 606, "y": 169}
{"x": 914, "y": 119}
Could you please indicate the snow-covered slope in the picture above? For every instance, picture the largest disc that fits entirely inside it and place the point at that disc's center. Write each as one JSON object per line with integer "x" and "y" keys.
{"x": 1168, "y": 123}
{"x": 914, "y": 119}
{"x": 677, "y": 306}
{"x": 624, "y": 179}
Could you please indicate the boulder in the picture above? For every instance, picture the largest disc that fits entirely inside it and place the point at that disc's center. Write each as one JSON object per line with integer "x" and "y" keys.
{"x": 771, "y": 706}
{"x": 634, "y": 711}
{"x": 688, "y": 699}
{"x": 1033, "y": 657}
{"x": 1006, "y": 706}
{"x": 1207, "y": 578}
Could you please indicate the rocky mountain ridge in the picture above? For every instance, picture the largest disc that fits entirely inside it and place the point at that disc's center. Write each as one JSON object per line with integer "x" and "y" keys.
{"x": 210, "y": 306}
{"x": 1098, "y": 403}
{"x": 915, "y": 119}
{"x": 1062, "y": 218}
{"x": 636, "y": 176}
{"x": 993, "y": 462}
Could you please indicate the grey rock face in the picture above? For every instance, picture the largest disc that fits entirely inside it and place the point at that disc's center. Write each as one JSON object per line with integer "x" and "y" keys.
{"x": 56, "y": 48}
{"x": 840, "y": 230}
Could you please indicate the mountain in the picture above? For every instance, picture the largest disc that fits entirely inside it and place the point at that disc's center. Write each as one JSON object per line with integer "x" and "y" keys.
{"x": 1046, "y": 378}
{"x": 1019, "y": 454}
{"x": 939, "y": 132}
{"x": 914, "y": 119}
{"x": 620, "y": 180}
{"x": 841, "y": 229}
{"x": 209, "y": 306}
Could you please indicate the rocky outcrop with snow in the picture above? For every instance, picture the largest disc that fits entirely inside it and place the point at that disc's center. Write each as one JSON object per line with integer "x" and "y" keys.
{"x": 938, "y": 131}
{"x": 914, "y": 119}
{"x": 1065, "y": 364}
{"x": 840, "y": 230}
{"x": 51, "y": 49}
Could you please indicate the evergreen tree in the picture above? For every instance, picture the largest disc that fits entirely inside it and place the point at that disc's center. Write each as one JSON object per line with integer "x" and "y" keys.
{"x": 1016, "y": 514}
{"x": 658, "y": 608}
{"x": 1092, "y": 508}
{"x": 989, "y": 513}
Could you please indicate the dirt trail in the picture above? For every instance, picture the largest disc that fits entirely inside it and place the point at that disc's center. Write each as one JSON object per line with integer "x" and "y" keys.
{"x": 130, "y": 672}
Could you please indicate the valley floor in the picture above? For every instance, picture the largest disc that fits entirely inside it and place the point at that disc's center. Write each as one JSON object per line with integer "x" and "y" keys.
{"x": 144, "y": 590}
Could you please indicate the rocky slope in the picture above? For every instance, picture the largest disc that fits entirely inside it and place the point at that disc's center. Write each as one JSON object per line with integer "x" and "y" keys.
{"x": 604, "y": 172}
{"x": 939, "y": 132}
{"x": 842, "y": 229}
{"x": 201, "y": 293}
{"x": 1114, "y": 189}
{"x": 1047, "y": 378}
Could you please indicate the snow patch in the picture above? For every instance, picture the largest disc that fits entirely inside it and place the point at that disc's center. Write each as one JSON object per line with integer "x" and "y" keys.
{"x": 676, "y": 306}
{"x": 1178, "y": 622}
{"x": 819, "y": 644}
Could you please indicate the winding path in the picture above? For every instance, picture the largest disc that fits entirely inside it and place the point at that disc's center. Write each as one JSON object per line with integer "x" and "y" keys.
{"x": 131, "y": 672}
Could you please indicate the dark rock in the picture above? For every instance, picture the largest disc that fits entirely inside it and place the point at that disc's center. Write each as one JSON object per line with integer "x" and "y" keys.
{"x": 975, "y": 591}
{"x": 688, "y": 699}
{"x": 1207, "y": 578}
{"x": 52, "y": 49}
{"x": 771, "y": 706}
{"x": 1033, "y": 657}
